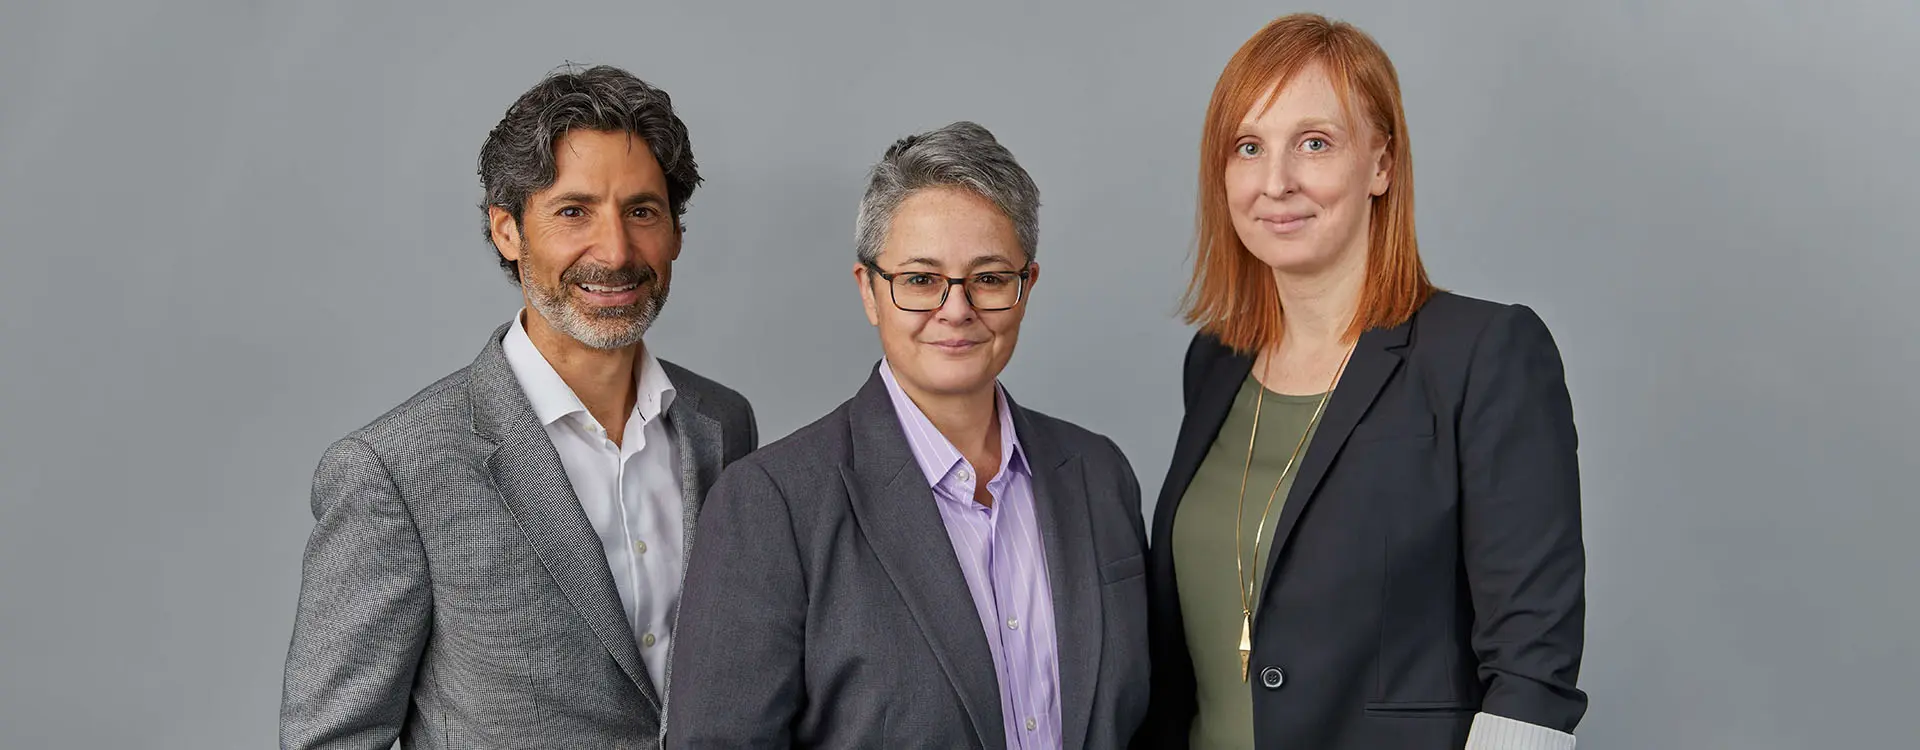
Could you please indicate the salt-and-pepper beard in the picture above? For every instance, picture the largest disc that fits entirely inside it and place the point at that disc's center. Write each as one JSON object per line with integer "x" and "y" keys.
{"x": 598, "y": 327}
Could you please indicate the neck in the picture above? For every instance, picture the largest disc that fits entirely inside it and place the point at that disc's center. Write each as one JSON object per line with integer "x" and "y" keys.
{"x": 966, "y": 420}
{"x": 603, "y": 379}
{"x": 969, "y": 421}
{"x": 1320, "y": 306}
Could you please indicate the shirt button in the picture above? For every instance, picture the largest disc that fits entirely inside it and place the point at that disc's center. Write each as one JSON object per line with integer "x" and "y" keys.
{"x": 647, "y": 641}
{"x": 1013, "y": 623}
{"x": 640, "y": 547}
{"x": 965, "y": 476}
{"x": 1031, "y": 723}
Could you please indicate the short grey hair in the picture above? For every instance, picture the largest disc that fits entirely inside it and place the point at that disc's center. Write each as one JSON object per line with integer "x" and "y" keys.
{"x": 961, "y": 155}
{"x": 517, "y": 159}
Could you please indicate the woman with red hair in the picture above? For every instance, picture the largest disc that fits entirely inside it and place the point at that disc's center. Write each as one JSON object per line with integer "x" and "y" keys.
{"x": 1369, "y": 537}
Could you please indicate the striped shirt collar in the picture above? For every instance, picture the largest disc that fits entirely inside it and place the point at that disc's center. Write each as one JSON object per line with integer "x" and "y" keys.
{"x": 938, "y": 459}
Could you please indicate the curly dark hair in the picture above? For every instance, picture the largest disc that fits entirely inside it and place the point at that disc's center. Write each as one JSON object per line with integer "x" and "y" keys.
{"x": 517, "y": 159}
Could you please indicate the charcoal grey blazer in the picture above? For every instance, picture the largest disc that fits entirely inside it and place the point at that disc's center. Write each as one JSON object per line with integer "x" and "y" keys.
{"x": 825, "y": 607}
{"x": 453, "y": 593}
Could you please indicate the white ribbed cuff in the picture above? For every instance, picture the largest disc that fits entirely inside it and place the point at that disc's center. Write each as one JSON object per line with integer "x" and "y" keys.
{"x": 1491, "y": 732}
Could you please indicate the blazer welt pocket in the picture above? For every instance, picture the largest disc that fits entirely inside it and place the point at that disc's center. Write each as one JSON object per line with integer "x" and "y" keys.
{"x": 1398, "y": 428}
{"x": 1123, "y": 569}
{"x": 1419, "y": 709}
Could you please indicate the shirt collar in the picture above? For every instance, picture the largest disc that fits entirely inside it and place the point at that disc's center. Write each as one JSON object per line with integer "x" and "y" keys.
{"x": 553, "y": 400}
{"x": 936, "y": 456}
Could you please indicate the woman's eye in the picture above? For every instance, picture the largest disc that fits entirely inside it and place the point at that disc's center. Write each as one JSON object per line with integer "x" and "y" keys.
{"x": 1315, "y": 145}
{"x": 1248, "y": 149}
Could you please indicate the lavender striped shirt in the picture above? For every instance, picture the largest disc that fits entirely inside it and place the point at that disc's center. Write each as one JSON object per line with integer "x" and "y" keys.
{"x": 1006, "y": 568}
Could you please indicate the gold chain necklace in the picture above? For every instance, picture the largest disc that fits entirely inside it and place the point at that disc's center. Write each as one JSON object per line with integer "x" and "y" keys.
{"x": 1246, "y": 586}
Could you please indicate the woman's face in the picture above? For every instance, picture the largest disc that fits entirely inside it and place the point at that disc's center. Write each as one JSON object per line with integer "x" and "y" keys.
{"x": 1302, "y": 176}
{"x": 954, "y": 350}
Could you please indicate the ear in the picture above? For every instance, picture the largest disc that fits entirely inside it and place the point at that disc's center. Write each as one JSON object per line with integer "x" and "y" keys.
{"x": 679, "y": 235}
{"x": 505, "y": 231}
{"x": 1382, "y": 169}
{"x": 865, "y": 281}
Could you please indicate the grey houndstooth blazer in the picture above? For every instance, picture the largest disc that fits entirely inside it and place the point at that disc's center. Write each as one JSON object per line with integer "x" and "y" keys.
{"x": 453, "y": 593}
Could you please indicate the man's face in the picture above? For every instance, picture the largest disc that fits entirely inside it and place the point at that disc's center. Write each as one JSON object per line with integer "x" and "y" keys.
{"x": 596, "y": 248}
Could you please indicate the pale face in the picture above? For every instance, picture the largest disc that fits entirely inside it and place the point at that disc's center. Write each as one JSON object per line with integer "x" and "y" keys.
{"x": 596, "y": 248}
{"x": 1302, "y": 177}
{"x": 955, "y": 350}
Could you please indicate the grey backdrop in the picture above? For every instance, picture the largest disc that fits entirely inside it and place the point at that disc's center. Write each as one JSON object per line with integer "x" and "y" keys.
{"x": 235, "y": 233}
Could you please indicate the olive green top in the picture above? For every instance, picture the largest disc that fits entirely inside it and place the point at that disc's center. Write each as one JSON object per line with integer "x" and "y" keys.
{"x": 1203, "y": 552}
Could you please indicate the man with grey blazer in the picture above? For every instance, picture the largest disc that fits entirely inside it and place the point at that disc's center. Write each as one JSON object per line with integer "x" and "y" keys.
{"x": 931, "y": 565}
{"x": 496, "y": 563}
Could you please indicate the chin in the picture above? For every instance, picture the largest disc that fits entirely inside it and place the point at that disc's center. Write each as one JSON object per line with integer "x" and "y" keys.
{"x": 954, "y": 377}
{"x": 606, "y": 328}
{"x": 1291, "y": 257}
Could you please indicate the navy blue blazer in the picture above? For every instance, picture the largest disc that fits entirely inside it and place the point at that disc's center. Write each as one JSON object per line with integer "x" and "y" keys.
{"x": 1428, "y": 563}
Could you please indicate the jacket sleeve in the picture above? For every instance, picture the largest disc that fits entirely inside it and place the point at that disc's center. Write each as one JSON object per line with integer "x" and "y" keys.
{"x": 1171, "y": 707}
{"x": 364, "y": 614}
{"x": 742, "y": 626}
{"x": 1520, "y": 524}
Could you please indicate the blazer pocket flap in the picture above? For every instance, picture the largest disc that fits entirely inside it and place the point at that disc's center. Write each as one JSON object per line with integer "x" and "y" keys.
{"x": 1123, "y": 569}
{"x": 1420, "y": 708}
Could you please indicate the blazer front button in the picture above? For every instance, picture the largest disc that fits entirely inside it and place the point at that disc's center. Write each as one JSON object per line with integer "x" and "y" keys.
{"x": 1273, "y": 678}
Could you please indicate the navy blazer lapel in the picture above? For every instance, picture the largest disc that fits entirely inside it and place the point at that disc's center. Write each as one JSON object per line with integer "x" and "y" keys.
{"x": 1198, "y": 429}
{"x": 895, "y": 508}
{"x": 1066, "y": 530}
{"x": 533, "y": 486}
{"x": 1375, "y": 358}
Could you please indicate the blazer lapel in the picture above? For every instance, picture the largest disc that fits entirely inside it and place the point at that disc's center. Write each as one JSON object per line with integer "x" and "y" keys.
{"x": 1197, "y": 433}
{"x": 1066, "y": 531}
{"x": 1374, "y": 360}
{"x": 895, "y": 508}
{"x": 697, "y": 436}
{"x": 533, "y": 486}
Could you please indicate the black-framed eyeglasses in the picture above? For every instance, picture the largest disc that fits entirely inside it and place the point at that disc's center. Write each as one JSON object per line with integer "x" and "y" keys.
{"x": 926, "y": 291}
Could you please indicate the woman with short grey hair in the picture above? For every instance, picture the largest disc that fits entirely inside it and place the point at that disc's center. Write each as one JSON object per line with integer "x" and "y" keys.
{"x": 932, "y": 564}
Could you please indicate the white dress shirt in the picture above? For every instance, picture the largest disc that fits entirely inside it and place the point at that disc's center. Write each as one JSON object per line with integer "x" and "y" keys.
{"x": 630, "y": 491}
